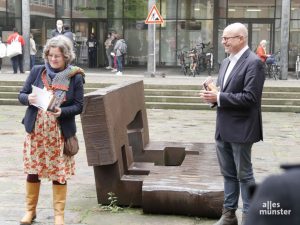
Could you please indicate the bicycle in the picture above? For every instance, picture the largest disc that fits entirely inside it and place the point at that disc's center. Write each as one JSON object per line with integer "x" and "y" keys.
{"x": 273, "y": 69}
{"x": 205, "y": 59}
{"x": 183, "y": 66}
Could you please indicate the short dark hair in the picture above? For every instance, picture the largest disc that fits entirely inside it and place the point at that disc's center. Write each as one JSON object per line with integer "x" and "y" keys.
{"x": 15, "y": 29}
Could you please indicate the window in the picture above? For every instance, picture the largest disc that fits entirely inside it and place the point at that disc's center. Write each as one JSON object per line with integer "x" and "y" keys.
{"x": 90, "y": 9}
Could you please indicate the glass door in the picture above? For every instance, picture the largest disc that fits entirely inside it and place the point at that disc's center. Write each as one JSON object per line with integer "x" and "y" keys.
{"x": 258, "y": 29}
{"x": 82, "y": 30}
{"x": 258, "y": 32}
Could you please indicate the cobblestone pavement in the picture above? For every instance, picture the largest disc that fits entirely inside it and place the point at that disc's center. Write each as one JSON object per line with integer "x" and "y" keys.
{"x": 280, "y": 145}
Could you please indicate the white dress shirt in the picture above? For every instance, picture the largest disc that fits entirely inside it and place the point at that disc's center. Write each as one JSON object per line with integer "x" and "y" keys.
{"x": 233, "y": 60}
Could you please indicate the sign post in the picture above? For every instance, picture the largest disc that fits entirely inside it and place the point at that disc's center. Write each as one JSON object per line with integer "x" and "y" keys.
{"x": 154, "y": 18}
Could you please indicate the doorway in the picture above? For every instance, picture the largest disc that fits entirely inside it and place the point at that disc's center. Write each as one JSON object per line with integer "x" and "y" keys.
{"x": 82, "y": 30}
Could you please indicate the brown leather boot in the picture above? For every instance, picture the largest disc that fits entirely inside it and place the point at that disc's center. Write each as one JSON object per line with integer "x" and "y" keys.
{"x": 228, "y": 217}
{"x": 32, "y": 196}
{"x": 59, "y": 202}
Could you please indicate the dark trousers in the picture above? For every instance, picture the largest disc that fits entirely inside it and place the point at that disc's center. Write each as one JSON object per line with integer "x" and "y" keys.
{"x": 32, "y": 61}
{"x": 17, "y": 61}
{"x": 0, "y": 63}
{"x": 92, "y": 58}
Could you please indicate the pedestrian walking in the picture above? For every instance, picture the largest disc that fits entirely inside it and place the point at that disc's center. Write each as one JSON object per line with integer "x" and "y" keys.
{"x": 47, "y": 131}
{"x": 108, "y": 49}
{"x": 113, "y": 55}
{"x": 92, "y": 44}
{"x": 17, "y": 61}
{"x": 32, "y": 51}
{"x": 120, "y": 50}
{"x": 2, "y": 52}
{"x": 239, "y": 121}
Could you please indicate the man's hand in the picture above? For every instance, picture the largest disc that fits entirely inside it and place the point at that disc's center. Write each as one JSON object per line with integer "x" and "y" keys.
{"x": 209, "y": 96}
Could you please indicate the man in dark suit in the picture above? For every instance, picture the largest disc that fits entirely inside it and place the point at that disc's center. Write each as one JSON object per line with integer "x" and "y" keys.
{"x": 239, "y": 123}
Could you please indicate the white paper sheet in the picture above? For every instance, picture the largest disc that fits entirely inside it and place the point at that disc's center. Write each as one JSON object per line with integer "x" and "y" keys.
{"x": 43, "y": 97}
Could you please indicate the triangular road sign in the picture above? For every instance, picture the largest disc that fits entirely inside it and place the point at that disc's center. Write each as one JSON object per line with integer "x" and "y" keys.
{"x": 154, "y": 16}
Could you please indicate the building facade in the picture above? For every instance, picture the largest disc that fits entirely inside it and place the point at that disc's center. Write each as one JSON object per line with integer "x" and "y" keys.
{"x": 187, "y": 24}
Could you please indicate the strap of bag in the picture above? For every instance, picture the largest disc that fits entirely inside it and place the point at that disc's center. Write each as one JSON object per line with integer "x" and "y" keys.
{"x": 17, "y": 38}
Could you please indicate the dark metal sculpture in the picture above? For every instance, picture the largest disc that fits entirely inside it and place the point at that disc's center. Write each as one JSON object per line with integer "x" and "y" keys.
{"x": 160, "y": 177}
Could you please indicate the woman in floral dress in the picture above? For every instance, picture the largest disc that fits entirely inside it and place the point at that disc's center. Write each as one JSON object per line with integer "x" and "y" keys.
{"x": 47, "y": 130}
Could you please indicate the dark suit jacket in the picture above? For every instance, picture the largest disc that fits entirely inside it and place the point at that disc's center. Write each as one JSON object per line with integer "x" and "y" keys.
{"x": 71, "y": 107}
{"x": 239, "y": 115}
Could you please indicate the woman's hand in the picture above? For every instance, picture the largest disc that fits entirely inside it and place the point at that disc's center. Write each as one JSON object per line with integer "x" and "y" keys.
{"x": 57, "y": 112}
{"x": 32, "y": 98}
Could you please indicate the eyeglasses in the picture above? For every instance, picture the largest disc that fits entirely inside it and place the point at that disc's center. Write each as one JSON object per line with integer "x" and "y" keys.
{"x": 227, "y": 38}
{"x": 55, "y": 56}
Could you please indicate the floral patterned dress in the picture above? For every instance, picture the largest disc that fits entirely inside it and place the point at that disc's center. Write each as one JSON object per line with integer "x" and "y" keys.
{"x": 43, "y": 150}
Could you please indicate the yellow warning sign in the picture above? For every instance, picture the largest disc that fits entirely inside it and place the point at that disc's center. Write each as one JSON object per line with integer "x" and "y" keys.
{"x": 154, "y": 16}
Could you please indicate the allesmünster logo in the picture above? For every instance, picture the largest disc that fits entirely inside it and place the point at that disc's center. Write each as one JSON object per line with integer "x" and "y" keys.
{"x": 270, "y": 208}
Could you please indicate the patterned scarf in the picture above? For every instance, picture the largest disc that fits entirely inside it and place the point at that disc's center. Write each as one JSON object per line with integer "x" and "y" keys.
{"x": 60, "y": 81}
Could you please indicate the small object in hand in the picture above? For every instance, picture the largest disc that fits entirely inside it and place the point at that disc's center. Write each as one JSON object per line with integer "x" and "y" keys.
{"x": 209, "y": 85}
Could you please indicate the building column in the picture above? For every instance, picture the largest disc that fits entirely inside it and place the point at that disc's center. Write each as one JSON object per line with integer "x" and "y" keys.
{"x": 26, "y": 32}
{"x": 285, "y": 28}
{"x": 151, "y": 65}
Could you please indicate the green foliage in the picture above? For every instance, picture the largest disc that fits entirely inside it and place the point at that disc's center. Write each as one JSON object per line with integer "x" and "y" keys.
{"x": 113, "y": 203}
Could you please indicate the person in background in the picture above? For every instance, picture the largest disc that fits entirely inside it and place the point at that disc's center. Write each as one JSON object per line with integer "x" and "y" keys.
{"x": 92, "y": 44}
{"x": 68, "y": 33}
{"x": 109, "y": 48}
{"x": 119, "y": 54}
{"x": 2, "y": 52}
{"x": 46, "y": 131}
{"x": 261, "y": 51}
{"x": 59, "y": 28}
{"x": 32, "y": 51}
{"x": 239, "y": 120}
{"x": 276, "y": 199}
{"x": 17, "y": 61}
{"x": 113, "y": 55}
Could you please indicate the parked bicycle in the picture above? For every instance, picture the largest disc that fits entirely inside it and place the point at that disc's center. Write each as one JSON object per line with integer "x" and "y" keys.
{"x": 273, "y": 69}
{"x": 197, "y": 60}
{"x": 181, "y": 56}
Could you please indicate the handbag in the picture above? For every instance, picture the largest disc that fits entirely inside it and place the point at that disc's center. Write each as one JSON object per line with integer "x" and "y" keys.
{"x": 71, "y": 146}
{"x": 14, "y": 48}
{"x": 2, "y": 50}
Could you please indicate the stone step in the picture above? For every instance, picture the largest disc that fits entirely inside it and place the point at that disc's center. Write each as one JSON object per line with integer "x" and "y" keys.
{"x": 186, "y": 106}
{"x": 165, "y": 86}
{"x": 280, "y": 99}
{"x": 180, "y": 99}
{"x": 167, "y": 92}
{"x": 202, "y": 106}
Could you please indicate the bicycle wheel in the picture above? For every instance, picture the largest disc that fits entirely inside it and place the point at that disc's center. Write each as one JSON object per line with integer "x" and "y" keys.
{"x": 272, "y": 73}
{"x": 183, "y": 69}
{"x": 208, "y": 66}
{"x": 278, "y": 71}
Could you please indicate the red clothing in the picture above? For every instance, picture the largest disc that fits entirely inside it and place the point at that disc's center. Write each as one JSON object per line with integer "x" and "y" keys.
{"x": 260, "y": 51}
{"x": 13, "y": 36}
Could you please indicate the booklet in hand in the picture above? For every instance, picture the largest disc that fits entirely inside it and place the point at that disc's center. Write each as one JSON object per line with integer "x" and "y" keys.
{"x": 46, "y": 100}
{"x": 209, "y": 85}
